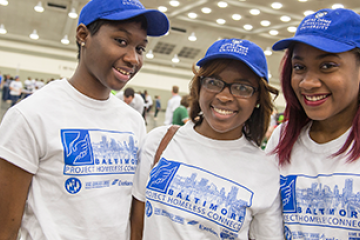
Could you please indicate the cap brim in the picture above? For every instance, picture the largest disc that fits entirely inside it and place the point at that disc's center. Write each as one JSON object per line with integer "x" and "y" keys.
{"x": 228, "y": 56}
{"x": 158, "y": 23}
{"x": 324, "y": 44}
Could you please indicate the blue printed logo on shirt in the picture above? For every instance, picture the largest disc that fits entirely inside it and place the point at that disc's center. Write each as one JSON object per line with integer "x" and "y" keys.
{"x": 88, "y": 152}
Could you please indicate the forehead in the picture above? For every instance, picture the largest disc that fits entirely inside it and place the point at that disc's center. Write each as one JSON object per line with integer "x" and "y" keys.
{"x": 305, "y": 52}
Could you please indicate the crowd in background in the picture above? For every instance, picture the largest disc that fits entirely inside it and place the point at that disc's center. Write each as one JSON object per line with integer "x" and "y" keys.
{"x": 14, "y": 89}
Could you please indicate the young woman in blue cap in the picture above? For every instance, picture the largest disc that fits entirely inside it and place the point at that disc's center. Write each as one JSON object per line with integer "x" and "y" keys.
{"x": 213, "y": 181}
{"x": 69, "y": 152}
{"x": 318, "y": 147}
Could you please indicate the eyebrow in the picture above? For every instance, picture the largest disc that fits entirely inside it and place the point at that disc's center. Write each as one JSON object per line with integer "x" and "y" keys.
{"x": 321, "y": 56}
{"x": 120, "y": 29}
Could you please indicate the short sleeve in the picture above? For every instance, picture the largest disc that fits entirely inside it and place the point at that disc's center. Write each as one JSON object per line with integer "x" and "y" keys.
{"x": 268, "y": 224}
{"x": 184, "y": 114}
{"x": 17, "y": 142}
{"x": 274, "y": 139}
{"x": 146, "y": 161}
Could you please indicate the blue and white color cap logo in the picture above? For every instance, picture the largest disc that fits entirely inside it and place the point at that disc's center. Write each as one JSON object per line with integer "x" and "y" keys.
{"x": 330, "y": 30}
{"x": 238, "y": 49}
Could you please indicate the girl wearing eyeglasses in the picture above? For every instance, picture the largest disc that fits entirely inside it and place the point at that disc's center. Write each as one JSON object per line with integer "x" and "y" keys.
{"x": 213, "y": 181}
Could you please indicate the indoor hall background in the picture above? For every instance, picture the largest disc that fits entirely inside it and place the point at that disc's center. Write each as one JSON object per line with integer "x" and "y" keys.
{"x": 209, "y": 20}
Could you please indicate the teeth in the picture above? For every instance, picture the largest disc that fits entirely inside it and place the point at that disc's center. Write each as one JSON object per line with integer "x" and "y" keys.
{"x": 315, "y": 98}
{"x": 222, "y": 111}
{"x": 122, "y": 71}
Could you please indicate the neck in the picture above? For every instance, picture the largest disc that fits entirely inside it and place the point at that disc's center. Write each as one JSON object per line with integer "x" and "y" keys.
{"x": 89, "y": 85}
{"x": 330, "y": 129}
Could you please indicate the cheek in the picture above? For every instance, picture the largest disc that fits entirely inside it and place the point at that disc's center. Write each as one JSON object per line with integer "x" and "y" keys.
{"x": 202, "y": 99}
{"x": 141, "y": 62}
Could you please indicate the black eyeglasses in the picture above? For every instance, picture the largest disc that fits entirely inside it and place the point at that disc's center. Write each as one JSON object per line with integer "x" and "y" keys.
{"x": 237, "y": 89}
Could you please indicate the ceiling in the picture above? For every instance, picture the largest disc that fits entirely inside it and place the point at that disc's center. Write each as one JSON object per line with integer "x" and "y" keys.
{"x": 20, "y": 19}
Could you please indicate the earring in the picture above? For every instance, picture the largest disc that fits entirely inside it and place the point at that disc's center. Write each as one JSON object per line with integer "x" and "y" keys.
{"x": 82, "y": 44}
{"x": 198, "y": 117}
{"x": 257, "y": 105}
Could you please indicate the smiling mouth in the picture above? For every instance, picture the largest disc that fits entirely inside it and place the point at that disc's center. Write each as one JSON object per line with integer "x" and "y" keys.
{"x": 122, "y": 71}
{"x": 315, "y": 98}
{"x": 223, "y": 111}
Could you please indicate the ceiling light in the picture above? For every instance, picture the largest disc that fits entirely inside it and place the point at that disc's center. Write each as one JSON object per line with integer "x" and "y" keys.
{"x": 206, "y": 10}
{"x": 174, "y": 3}
{"x": 337, "y": 5}
{"x": 175, "y": 59}
{"x": 302, "y": 0}
{"x": 276, "y": 5}
{"x": 308, "y": 12}
{"x": 221, "y": 21}
{"x": 248, "y": 27}
{"x": 2, "y": 29}
{"x": 72, "y": 14}
{"x": 65, "y": 40}
{"x": 4, "y": 2}
{"x": 236, "y": 17}
{"x": 34, "y": 35}
{"x": 150, "y": 54}
{"x": 291, "y": 29}
{"x": 192, "y": 37}
{"x": 192, "y": 15}
{"x": 39, "y": 8}
{"x": 222, "y": 4}
{"x": 255, "y": 11}
{"x": 268, "y": 51}
{"x": 285, "y": 18}
{"x": 162, "y": 9}
{"x": 265, "y": 23}
{"x": 273, "y": 32}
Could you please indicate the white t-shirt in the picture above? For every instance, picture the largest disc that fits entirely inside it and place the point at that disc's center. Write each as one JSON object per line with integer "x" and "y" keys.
{"x": 83, "y": 154}
{"x": 137, "y": 103}
{"x": 15, "y": 88}
{"x": 149, "y": 101}
{"x": 172, "y": 104}
{"x": 320, "y": 193}
{"x": 207, "y": 189}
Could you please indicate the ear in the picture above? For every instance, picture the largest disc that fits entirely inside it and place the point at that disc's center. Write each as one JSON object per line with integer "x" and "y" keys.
{"x": 82, "y": 33}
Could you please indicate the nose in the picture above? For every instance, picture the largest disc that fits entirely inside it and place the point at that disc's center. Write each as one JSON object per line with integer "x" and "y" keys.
{"x": 132, "y": 57}
{"x": 310, "y": 80}
{"x": 225, "y": 95}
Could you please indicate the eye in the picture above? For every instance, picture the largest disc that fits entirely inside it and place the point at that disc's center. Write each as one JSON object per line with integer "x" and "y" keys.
{"x": 242, "y": 88}
{"x": 214, "y": 82}
{"x": 140, "y": 50}
{"x": 327, "y": 66}
{"x": 297, "y": 67}
{"x": 122, "y": 42}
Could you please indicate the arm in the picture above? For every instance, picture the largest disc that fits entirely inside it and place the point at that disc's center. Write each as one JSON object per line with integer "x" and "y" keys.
{"x": 137, "y": 219}
{"x": 14, "y": 186}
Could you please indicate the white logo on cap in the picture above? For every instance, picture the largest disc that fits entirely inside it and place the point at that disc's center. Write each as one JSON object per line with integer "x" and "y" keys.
{"x": 320, "y": 14}
{"x": 135, "y": 3}
{"x": 316, "y": 22}
{"x": 235, "y": 47}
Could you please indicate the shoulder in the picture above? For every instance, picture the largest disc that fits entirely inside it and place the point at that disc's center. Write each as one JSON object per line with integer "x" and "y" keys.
{"x": 157, "y": 134}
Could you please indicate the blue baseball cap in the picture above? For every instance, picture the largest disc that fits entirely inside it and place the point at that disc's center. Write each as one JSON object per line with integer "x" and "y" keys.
{"x": 243, "y": 50}
{"x": 158, "y": 23}
{"x": 330, "y": 30}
